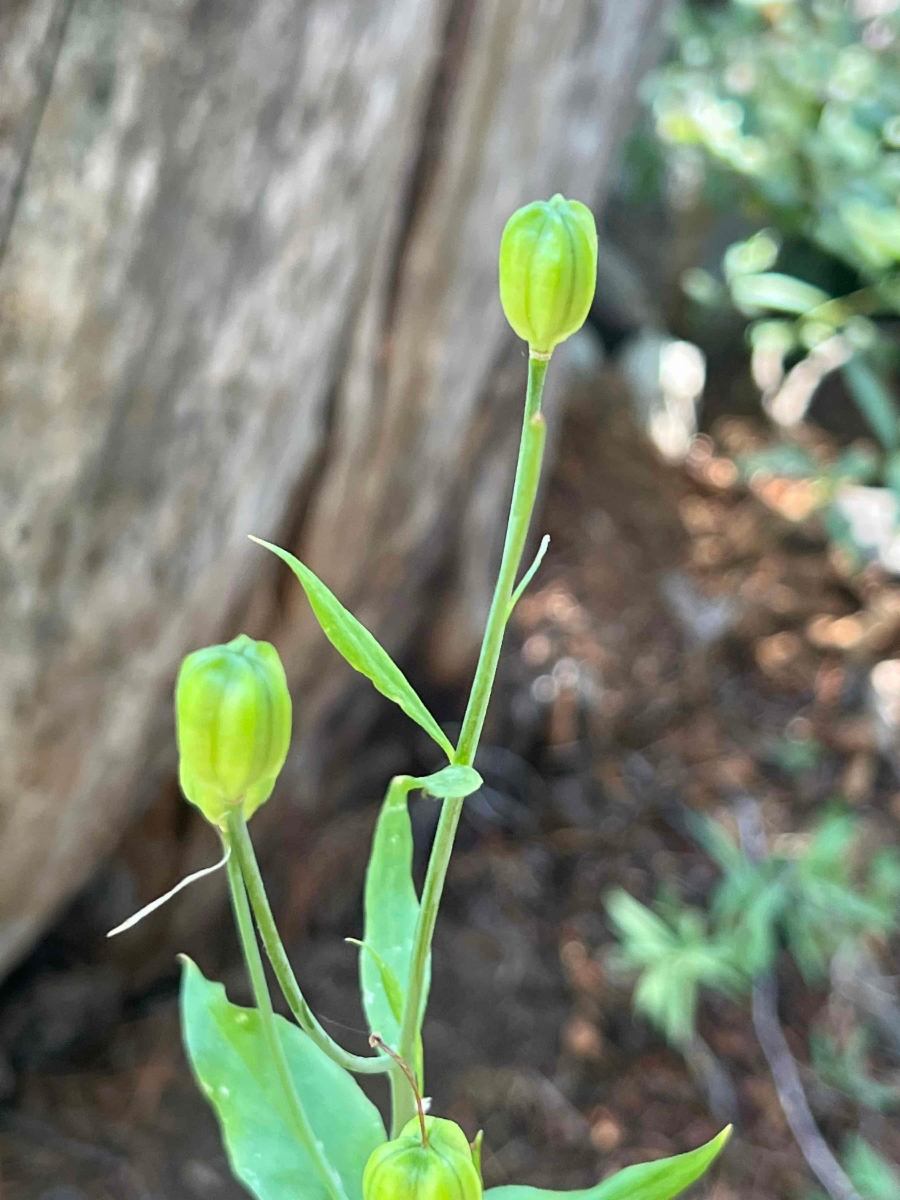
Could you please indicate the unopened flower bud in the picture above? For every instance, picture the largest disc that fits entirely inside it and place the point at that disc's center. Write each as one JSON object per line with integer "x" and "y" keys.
{"x": 408, "y": 1169}
{"x": 548, "y": 271}
{"x": 233, "y": 721}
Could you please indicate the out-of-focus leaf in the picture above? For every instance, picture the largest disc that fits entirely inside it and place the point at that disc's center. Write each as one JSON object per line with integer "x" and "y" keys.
{"x": 715, "y": 841}
{"x": 891, "y": 473}
{"x": 645, "y": 935}
{"x": 701, "y": 286}
{"x": 781, "y": 293}
{"x": 884, "y": 883}
{"x": 785, "y": 461}
{"x": 830, "y": 898}
{"x": 753, "y": 256}
{"x": 660, "y": 1180}
{"x": 845, "y": 1065}
{"x": 857, "y": 464}
{"x": 230, "y": 1057}
{"x": 778, "y": 336}
{"x": 795, "y": 755}
{"x": 872, "y": 1175}
{"x": 674, "y": 963}
{"x": 874, "y": 400}
{"x": 756, "y": 934}
{"x": 831, "y": 846}
{"x": 875, "y": 230}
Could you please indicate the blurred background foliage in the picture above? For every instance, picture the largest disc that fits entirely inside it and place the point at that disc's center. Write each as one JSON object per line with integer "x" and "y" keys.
{"x": 789, "y": 112}
{"x": 781, "y": 119}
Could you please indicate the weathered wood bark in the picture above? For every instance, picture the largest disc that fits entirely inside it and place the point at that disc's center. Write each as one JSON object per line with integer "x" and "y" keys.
{"x": 248, "y": 285}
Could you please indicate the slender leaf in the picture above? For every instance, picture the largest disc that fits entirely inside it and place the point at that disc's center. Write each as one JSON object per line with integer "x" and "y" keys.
{"x": 658, "y": 1180}
{"x": 391, "y": 911}
{"x": 874, "y": 400}
{"x": 230, "y": 1058}
{"x": 359, "y": 647}
{"x": 389, "y": 982}
{"x": 771, "y": 289}
{"x": 476, "y": 1153}
{"x": 391, "y": 902}
{"x": 528, "y": 576}
{"x": 873, "y": 1176}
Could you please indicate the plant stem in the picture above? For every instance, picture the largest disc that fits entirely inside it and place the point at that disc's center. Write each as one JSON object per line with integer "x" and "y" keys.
{"x": 252, "y": 957}
{"x": 287, "y": 981}
{"x": 528, "y": 472}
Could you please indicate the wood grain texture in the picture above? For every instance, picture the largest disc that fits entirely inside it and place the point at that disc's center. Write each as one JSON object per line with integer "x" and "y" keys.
{"x": 249, "y": 286}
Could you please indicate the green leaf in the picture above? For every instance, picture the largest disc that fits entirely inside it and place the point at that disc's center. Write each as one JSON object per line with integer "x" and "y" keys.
{"x": 359, "y": 647}
{"x": 645, "y": 934}
{"x": 873, "y": 1176}
{"x": 756, "y": 932}
{"x": 874, "y": 400}
{"x": 391, "y": 912}
{"x": 528, "y": 576}
{"x": 391, "y": 903}
{"x": 788, "y": 461}
{"x": 783, "y": 293}
{"x": 875, "y": 231}
{"x": 390, "y": 983}
{"x": 452, "y": 781}
{"x": 658, "y": 1180}
{"x": 859, "y": 464}
{"x": 230, "y": 1058}
{"x": 476, "y": 1153}
{"x": 758, "y": 253}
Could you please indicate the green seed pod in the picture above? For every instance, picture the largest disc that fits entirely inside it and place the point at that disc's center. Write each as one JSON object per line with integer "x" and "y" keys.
{"x": 548, "y": 271}
{"x": 407, "y": 1169}
{"x": 233, "y": 722}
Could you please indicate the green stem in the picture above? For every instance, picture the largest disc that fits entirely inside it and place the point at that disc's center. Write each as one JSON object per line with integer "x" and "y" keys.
{"x": 528, "y": 472}
{"x": 287, "y": 981}
{"x": 244, "y": 920}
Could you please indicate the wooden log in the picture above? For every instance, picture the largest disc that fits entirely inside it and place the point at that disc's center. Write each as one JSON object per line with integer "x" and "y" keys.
{"x": 248, "y": 285}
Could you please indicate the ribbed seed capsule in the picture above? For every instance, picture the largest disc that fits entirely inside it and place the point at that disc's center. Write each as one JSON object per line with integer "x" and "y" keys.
{"x": 405, "y": 1169}
{"x": 233, "y": 722}
{"x": 548, "y": 271}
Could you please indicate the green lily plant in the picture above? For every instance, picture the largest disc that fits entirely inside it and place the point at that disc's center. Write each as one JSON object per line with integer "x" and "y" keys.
{"x": 295, "y": 1123}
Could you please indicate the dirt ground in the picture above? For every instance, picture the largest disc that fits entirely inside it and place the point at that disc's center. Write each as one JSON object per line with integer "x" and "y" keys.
{"x": 681, "y": 626}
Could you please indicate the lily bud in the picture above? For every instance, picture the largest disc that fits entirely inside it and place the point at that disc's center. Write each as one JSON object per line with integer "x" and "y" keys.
{"x": 409, "y": 1169}
{"x": 548, "y": 271}
{"x": 233, "y": 722}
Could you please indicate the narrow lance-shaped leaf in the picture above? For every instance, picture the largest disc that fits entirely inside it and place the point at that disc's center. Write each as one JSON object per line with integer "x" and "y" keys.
{"x": 393, "y": 993}
{"x": 528, "y": 576}
{"x": 391, "y": 912}
{"x": 233, "y": 1065}
{"x": 390, "y": 984}
{"x": 361, "y": 650}
{"x": 391, "y": 902}
{"x": 783, "y": 293}
{"x": 660, "y": 1180}
{"x": 874, "y": 400}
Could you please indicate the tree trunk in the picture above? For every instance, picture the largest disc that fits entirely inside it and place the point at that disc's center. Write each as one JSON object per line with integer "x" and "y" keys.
{"x": 248, "y": 285}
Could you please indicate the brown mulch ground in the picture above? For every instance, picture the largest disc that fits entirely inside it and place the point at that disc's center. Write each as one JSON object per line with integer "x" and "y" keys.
{"x": 682, "y": 626}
